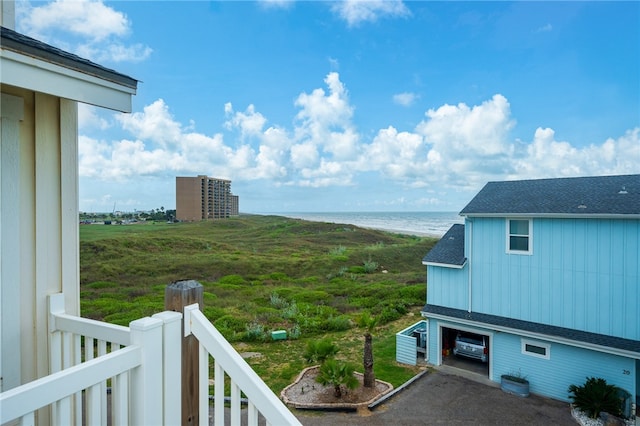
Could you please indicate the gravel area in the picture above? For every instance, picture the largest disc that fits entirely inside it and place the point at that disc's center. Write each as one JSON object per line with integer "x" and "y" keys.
{"x": 305, "y": 392}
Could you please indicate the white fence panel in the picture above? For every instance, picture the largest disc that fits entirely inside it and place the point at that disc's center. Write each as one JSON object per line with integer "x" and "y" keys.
{"x": 243, "y": 378}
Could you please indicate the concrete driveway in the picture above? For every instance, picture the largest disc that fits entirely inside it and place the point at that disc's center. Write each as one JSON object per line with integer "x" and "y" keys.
{"x": 441, "y": 397}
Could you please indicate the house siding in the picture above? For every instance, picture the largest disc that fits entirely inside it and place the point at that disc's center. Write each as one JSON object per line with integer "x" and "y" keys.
{"x": 591, "y": 265}
{"x": 448, "y": 287}
{"x": 406, "y": 350}
{"x": 567, "y": 365}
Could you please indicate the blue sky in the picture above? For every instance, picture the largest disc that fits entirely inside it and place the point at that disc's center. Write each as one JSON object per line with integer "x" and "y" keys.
{"x": 311, "y": 106}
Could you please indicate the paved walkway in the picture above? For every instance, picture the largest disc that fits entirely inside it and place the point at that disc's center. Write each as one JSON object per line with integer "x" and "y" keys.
{"x": 443, "y": 398}
{"x": 446, "y": 397}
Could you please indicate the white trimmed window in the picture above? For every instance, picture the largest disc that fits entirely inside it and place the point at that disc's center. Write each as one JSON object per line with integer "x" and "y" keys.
{"x": 536, "y": 349}
{"x": 519, "y": 236}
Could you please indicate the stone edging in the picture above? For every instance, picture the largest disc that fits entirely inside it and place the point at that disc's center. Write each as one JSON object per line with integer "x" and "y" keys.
{"x": 331, "y": 406}
{"x": 393, "y": 392}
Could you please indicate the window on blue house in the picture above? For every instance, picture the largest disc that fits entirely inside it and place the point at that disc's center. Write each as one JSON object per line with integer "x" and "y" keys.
{"x": 519, "y": 236}
{"x": 536, "y": 349}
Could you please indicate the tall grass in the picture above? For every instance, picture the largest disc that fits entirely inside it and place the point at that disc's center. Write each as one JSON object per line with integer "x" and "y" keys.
{"x": 259, "y": 273}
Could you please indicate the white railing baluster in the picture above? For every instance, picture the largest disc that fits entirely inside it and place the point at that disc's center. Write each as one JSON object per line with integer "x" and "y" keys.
{"x": 252, "y": 414}
{"x": 102, "y": 387}
{"x": 93, "y": 405}
{"x": 236, "y": 405}
{"x": 203, "y": 385}
{"x": 218, "y": 393}
{"x": 77, "y": 359}
{"x": 119, "y": 396}
{"x": 28, "y": 419}
{"x": 63, "y": 411}
{"x": 228, "y": 361}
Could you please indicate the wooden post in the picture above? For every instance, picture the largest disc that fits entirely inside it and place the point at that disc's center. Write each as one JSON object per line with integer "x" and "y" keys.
{"x": 177, "y": 295}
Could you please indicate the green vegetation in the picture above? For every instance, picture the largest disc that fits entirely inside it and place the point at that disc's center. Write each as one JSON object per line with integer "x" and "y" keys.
{"x": 264, "y": 273}
{"x": 596, "y": 396}
{"x": 337, "y": 374}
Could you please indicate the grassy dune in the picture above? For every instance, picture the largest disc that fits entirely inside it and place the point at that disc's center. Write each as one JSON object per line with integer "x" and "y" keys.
{"x": 263, "y": 273}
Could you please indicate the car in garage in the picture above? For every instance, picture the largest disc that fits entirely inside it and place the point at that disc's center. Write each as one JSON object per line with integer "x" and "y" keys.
{"x": 471, "y": 345}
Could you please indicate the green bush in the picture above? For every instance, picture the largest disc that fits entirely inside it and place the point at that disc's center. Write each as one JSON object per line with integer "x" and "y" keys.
{"x": 370, "y": 266}
{"x": 596, "y": 396}
{"x": 255, "y": 332}
{"x": 233, "y": 280}
{"x": 337, "y": 374}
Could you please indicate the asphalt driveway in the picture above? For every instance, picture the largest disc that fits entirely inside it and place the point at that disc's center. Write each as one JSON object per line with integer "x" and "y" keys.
{"x": 443, "y": 398}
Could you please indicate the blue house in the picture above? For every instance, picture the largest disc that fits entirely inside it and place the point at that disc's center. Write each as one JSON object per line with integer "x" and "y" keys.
{"x": 549, "y": 271}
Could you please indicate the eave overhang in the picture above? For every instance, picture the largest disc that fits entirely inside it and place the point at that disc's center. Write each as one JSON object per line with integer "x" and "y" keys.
{"x": 553, "y": 215}
{"x": 32, "y": 65}
{"x": 445, "y": 265}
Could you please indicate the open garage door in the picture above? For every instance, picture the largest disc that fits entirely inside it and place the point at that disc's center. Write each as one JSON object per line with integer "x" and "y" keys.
{"x": 466, "y": 349}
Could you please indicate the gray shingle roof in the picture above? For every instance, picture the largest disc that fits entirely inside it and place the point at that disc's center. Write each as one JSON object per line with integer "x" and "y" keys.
{"x": 20, "y": 43}
{"x": 582, "y": 196}
{"x": 549, "y": 330}
{"x": 450, "y": 249}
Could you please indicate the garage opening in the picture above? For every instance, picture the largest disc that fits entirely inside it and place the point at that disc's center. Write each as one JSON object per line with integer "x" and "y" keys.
{"x": 466, "y": 350}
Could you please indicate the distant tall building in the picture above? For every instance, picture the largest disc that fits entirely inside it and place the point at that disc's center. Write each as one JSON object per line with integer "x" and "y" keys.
{"x": 235, "y": 205}
{"x": 203, "y": 198}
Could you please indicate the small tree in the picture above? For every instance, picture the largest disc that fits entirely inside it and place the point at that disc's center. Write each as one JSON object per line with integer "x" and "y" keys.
{"x": 596, "y": 396}
{"x": 337, "y": 374}
{"x": 320, "y": 351}
{"x": 369, "y": 323}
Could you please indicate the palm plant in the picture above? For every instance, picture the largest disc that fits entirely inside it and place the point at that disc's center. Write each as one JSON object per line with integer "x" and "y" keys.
{"x": 369, "y": 323}
{"x": 320, "y": 350}
{"x": 337, "y": 374}
{"x": 596, "y": 396}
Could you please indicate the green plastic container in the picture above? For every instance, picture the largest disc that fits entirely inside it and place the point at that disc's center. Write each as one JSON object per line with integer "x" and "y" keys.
{"x": 279, "y": 335}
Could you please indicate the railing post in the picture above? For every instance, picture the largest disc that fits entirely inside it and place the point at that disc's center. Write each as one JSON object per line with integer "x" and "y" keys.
{"x": 171, "y": 366}
{"x": 177, "y": 295}
{"x": 146, "y": 380}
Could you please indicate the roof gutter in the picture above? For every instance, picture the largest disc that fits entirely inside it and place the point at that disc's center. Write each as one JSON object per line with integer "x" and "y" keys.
{"x": 539, "y": 336}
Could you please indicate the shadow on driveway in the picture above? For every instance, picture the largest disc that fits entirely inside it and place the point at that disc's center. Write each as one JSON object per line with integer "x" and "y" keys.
{"x": 443, "y": 398}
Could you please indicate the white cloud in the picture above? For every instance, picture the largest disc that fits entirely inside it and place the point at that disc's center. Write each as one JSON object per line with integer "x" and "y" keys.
{"x": 547, "y": 157}
{"x": 457, "y": 147}
{"x": 405, "y": 98}
{"x": 276, "y": 4}
{"x": 356, "y": 12}
{"x": 461, "y": 130}
{"x": 249, "y": 122}
{"x": 545, "y": 28}
{"x": 114, "y": 52}
{"x": 90, "y": 19}
{"x": 88, "y": 28}
{"x": 326, "y": 119}
{"x": 155, "y": 123}
{"x": 89, "y": 117}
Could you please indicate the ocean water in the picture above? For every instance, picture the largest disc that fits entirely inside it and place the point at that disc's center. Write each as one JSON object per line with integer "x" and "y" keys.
{"x": 433, "y": 224}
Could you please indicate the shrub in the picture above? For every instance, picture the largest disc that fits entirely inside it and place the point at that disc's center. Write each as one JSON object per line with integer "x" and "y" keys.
{"x": 338, "y": 251}
{"x": 232, "y": 280}
{"x": 370, "y": 266}
{"x": 595, "y": 396}
{"x": 294, "y": 332}
{"x": 337, "y": 374}
{"x": 320, "y": 351}
{"x": 278, "y": 301}
{"x": 255, "y": 332}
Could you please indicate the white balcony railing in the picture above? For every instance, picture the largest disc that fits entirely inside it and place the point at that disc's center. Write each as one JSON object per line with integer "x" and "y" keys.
{"x": 85, "y": 355}
{"x": 261, "y": 400}
{"x": 140, "y": 363}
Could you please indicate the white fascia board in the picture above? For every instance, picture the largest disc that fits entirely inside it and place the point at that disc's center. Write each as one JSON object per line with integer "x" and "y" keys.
{"x": 41, "y": 76}
{"x": 554, "y": 215}
{"x": 445, "y": 265}
{"x": 539, "y": 336}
